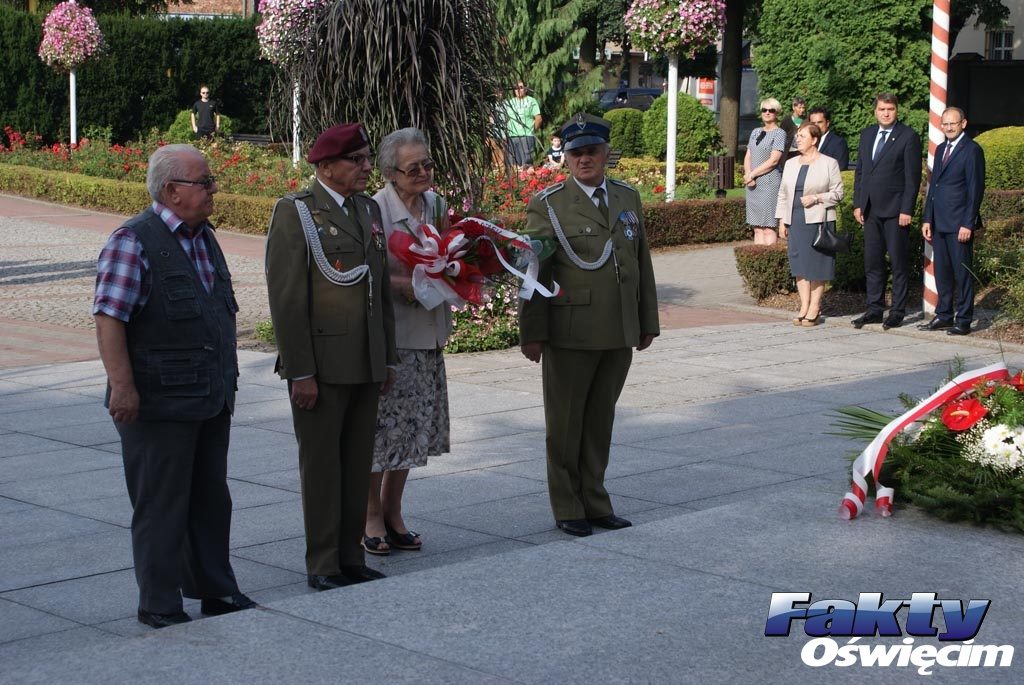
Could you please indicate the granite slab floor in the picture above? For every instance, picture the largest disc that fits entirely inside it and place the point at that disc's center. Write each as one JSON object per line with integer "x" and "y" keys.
{"x": 721, "y": 457}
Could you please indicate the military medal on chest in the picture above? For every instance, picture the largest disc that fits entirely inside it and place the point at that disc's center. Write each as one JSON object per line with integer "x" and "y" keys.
{"x": 631, "y": 221}
{"x": 378, "y": 236}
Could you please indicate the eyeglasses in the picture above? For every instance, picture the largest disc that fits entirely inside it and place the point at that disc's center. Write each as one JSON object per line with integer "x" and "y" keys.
{"x": 204, "y": 92}
{"x": 419, "y": 168}
{"x": 768, "y": 110}
{"x": 359, "y": 160}
{"x": 952, "y": 123}
{"x": 207, "y": 182}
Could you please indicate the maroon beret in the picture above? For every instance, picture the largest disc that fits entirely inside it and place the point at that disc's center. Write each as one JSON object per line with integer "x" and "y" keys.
{"x": 337, "y": 141}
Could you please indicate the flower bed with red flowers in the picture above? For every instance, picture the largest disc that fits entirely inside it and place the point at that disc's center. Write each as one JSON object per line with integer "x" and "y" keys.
{"x": 962, "y": 461}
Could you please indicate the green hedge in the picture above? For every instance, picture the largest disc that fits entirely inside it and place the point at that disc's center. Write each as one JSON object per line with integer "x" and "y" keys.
{"x": 690, "y": 222}
{"x": 1004, "y": 157}
{"x": 242, "y": 213}
{"x": 764, "y": 269}
{"x": 1001, "y": 204}
{"x": 697, "y": 133}
{"x": 181, "y": 130}
{"x": 152, "y": 70}
{"x": 627, "y": 134}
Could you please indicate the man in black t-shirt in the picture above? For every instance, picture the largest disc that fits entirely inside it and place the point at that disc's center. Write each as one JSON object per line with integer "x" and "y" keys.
{"x": 205, "y": 117}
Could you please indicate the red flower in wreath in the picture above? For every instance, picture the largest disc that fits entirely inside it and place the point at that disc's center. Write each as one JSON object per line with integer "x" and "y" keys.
{"x": 1018, "y": 381}
{"x": 960, "y": 415}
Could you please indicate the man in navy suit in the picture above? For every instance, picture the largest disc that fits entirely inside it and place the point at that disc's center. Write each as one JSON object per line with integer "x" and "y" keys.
{"x": 831, "y": 144}
{"x": 950, "y": 220}
{"x": 885, "y": 188}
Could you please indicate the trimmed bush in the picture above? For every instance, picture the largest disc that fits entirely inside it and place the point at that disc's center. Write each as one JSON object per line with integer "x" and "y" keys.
{"x": 1001, "y": 204}
{"x": 764, "y": 269}
{"x": 627, "y": 133}
{"x": 241, "y": 213}
{"x": 181, "y": 130}
{"x": 1004, "y": 157}
{"x": 692, "y": 222}
{"x": 697, "y": 133}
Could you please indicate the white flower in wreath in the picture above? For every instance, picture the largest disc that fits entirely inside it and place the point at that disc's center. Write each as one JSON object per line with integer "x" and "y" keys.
{"x": 998, "y": 441}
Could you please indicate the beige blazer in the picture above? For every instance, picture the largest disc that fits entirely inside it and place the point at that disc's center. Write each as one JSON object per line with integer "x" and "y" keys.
{"x": 823, "y": 181}
{"x": 416, "y": 328}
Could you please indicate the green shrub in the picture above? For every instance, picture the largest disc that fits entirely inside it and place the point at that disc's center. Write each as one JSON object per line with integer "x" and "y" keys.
{"x": 627, "y": 134}
{"x": 1001, "y": 204}
{"x": 697, "y": 133}
{"x": 181, "y": 130}
{"x": 764, "y": 269}
{"x": 1004, "y": 157}
{"x": 264, "y": 332}
{"x": 647, "y": 171}
{"x": 693, "y": 222}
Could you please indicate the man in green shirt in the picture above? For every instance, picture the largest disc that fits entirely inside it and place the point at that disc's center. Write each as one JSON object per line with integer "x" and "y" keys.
{"x": 522, "y": 120}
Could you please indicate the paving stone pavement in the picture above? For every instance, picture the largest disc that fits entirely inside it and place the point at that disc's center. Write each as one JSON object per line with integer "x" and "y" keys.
{"x": 722, "y": 458}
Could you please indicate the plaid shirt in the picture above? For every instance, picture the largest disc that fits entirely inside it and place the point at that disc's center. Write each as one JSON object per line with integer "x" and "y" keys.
{"x": 122, "y": 272}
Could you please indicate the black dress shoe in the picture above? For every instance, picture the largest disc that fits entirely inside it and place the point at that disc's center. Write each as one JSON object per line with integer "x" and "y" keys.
{"x": 322, "y": 583}
{"x": 866, "y": 318}
{"x": 351, "y": 575}
{"x": 892, "y": 322}
{"x": 578, "y": 527}
{"x": 218, "y": 607}
{"x": 155, "y": 620}
{"x": 611, "y": 522}
{"x": 959, "y": 329}
{"x": 935, "y": 324}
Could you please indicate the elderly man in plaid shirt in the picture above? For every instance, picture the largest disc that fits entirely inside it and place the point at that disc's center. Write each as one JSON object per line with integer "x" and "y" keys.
{"x": 165, "y": 323}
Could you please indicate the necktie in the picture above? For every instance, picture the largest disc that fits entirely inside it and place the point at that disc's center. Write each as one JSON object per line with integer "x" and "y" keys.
{"x": 601, "y": 203}
{"x": 349, "y": 207}
{"x": 879, "y": 145}
{"x": 945, "y": 155}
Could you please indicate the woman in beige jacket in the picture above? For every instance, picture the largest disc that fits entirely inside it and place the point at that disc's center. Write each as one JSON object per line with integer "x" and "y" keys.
{"x": 811, "y": 188}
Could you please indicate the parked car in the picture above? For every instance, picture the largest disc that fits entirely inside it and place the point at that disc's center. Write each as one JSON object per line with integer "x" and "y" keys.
{"x": 635, "y": 98}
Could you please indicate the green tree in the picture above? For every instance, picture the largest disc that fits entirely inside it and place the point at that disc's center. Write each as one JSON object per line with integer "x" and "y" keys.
{"x": 987, "y": 12}
{"x": 542, "y": 36}
{"x": 840, "y": 54}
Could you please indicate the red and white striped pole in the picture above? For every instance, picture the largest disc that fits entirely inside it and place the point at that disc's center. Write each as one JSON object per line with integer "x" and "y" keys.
{"x": 936, "y": 105}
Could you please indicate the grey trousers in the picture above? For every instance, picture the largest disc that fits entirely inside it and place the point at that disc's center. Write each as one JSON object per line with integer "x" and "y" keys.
{"x": 176, "y": 473}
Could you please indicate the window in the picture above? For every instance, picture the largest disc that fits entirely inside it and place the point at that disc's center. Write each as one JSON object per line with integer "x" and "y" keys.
{"x": 999, "y": 44}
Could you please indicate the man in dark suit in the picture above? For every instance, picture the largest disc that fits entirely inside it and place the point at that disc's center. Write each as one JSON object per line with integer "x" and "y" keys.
{"x": 950, "y": 220}
{"x": 885, "y": 188}
{"x": 165, "y": 323}
{"x": 330, "y": 302}
{"x": 607, "y": 306}
{"x": 832, "y": 144}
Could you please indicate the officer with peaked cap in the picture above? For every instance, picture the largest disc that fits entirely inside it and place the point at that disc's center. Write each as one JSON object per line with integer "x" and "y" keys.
{"x": 330, "y": 302}
{"x": 584, "y": 336}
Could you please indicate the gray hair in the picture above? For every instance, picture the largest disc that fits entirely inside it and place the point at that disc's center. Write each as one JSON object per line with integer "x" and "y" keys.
{"x": 387, "y": 153}
{"x": 166, "y": 163}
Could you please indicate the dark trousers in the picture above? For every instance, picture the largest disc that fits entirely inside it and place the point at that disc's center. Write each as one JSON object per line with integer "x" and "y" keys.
{"x": 176, "y": 473}
{"x": 953, "y": 261}
{"x": 335, "y": 452}
{"x": 881, "y": 235}
{"x": 581, "y": 388}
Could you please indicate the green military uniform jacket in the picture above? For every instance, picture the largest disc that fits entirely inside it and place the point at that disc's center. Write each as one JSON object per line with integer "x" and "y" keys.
{"x": 336, "y": 333}
{"x": 600, "y": 309}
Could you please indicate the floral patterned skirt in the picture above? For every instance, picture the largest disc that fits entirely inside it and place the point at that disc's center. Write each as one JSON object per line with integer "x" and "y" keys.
{"x": 412, "y": 420}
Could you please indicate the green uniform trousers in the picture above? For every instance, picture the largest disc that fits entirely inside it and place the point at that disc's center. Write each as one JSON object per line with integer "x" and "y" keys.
{"x": 335, "y": 451}
{"x": 581, "y": 388}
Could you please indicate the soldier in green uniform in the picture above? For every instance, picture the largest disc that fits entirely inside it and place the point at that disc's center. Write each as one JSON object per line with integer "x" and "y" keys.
{"x": 607, "y": 305}
{"x": 330, "y": 303}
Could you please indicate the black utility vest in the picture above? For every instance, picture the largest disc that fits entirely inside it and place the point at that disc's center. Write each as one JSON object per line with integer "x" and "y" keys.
{"x": 182, "y": 342}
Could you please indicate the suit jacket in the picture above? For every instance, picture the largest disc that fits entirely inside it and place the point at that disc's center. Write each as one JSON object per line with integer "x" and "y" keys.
{"x": 954, "y": 196}
{"x": 595, "y": 310}
{"x": 835, "y": 147}
{"x": 888, "y": 186}
{"x": 416, "y": 328}
{"x": 330, "y": 331}
{"x": 823, "y": 179}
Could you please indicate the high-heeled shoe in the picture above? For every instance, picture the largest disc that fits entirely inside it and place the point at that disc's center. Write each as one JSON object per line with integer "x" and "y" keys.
{"x": 798, "y": 321}
{"x": 810, "y": 322}
{"x": 408, "y": 541}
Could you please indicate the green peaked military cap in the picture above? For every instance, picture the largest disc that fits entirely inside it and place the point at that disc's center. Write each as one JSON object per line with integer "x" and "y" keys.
{"x": 585, "y": 129}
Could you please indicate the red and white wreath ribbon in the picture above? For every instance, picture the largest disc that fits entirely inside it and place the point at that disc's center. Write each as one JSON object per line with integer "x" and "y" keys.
{"x": 530, "y": 284}
{"x": 871, "y": 459}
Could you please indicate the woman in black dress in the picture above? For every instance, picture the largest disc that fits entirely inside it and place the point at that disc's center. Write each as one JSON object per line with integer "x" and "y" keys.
{"x": 810, "y": 190}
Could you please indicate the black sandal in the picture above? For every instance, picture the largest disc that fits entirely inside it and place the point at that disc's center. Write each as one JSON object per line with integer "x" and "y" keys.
{"x": 407, "y": 541}
{"x": 378, "y": 546}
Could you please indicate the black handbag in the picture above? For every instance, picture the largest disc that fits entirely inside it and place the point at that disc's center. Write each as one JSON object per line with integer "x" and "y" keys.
{"x": 828, "y": 240}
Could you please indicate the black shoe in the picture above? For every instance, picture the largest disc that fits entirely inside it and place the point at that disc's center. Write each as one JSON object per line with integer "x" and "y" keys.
{"x": 935, "y": 324}
{"x": 866, "y": 318}
{"x": 219, "y": 607}
{"x": 350, "y": 575}
{"x": 578, "y": 527}
{"x": 322, "y": 583}
{"x": 155, "y": 620}
{"x": 959, "y": 329}
{"x": 611, "y": 522}
{"x": 892, "y": 322}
